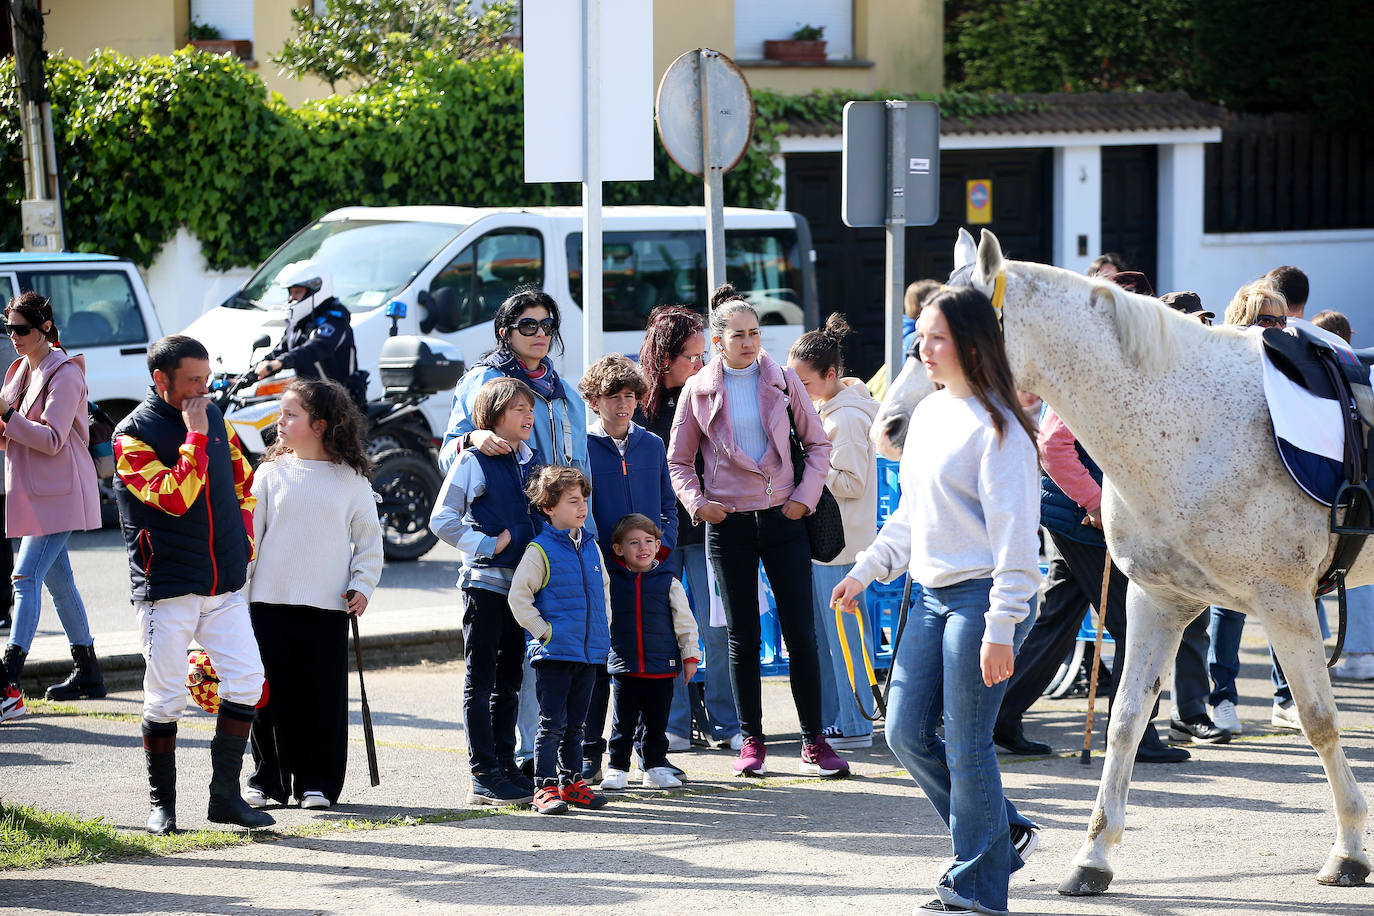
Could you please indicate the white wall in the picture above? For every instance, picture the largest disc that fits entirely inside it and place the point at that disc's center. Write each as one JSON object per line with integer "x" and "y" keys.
{"x": 182, "y": 285}
{"x": 1216, "y": 265}
{"x": 1077, "y": 205}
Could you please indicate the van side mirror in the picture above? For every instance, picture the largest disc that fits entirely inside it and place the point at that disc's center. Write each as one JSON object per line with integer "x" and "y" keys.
{"x": 441, "y": 311}
{"x": 261, "y": 342}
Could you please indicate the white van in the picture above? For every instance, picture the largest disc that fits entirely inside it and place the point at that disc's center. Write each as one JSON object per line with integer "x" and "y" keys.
{"x": 453, "y": 266}
{"x": 102, "y": 311}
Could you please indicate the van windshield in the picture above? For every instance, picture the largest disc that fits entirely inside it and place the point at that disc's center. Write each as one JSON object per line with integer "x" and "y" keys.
{"x": 368, "y": 260}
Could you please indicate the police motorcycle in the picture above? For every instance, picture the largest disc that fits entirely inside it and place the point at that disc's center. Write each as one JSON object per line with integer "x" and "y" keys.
{"x": 404, "y": 454}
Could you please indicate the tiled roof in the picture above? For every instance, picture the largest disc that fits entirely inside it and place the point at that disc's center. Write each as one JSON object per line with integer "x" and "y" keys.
{"x": 1069, "y": 112}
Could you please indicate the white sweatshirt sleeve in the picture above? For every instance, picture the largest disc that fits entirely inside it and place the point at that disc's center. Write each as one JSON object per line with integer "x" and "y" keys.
{"x": 1008, "y": 487}
{"x": 890, "y": 553}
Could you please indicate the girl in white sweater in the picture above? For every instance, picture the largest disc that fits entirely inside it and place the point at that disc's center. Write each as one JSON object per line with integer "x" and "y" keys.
{"x": 965, "y": 530}
{"x": 319, "y": 555}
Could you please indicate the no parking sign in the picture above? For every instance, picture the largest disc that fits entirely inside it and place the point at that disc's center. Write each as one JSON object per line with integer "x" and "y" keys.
{"x": 979, "y": 201}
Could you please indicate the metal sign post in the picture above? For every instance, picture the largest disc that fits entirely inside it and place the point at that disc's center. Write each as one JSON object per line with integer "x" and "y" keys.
{"x": 713, "y": 175}
{"x": 894, "y": 275}
{"x": 591, "y": 185}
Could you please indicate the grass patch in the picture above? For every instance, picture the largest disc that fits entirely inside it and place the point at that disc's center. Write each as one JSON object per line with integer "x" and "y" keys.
{"x": 32, "y": 838}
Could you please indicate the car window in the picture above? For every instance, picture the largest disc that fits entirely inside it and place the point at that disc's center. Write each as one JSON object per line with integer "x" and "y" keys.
{"x": 92, "y": 308}
{"x": 485, "y": 273}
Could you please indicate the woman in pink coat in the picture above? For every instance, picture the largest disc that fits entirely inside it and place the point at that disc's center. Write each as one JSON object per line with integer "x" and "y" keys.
{"x": 52, "y": 492}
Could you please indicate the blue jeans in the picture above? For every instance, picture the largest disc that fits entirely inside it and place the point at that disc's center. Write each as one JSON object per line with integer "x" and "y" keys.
{"x": 1223, "y": 659}
{"x": 839, "y": 706}
{"x": 42, "y": 560}
{"x": 564, "y": 690}
{"x": 1359, "y": 623}
{"x": 937, "y": 675}
{"x": 715, "y": 641}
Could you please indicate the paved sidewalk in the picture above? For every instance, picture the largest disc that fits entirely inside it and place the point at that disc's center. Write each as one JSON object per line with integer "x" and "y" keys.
{"x": 1239, "y": 829}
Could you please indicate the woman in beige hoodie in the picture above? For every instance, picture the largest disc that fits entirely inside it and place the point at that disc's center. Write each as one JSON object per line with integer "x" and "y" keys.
{"x": 846, "y": 411}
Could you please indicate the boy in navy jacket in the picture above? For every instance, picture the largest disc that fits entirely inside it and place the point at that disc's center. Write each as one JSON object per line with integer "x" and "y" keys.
{"x": 561, "y": 595}
{"x": 629, "y": 468}
{"x": 653, "y": 638}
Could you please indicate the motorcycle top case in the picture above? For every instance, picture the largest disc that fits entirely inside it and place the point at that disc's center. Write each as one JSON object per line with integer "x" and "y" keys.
{"x": 418, "y": 365}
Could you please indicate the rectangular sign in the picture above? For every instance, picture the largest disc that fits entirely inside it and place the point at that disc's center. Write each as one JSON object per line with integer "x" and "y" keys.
{"x": 978, "y": 202}
{"x": 865, "y": 193}
{"x": 554, "y": 65}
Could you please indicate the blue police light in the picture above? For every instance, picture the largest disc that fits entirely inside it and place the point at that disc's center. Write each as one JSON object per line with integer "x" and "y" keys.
{"x": 395, "y": 309}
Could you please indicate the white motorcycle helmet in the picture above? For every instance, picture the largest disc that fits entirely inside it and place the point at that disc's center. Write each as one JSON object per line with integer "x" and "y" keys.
{"x": 318, "y": 283}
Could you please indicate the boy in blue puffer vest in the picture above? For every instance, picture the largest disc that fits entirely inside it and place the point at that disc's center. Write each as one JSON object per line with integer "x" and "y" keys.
{"x": 629, "y": 471}
{"x": 483, "y": 512}
{"x": 653, "y": 638}
{"x": 561, "y": 595}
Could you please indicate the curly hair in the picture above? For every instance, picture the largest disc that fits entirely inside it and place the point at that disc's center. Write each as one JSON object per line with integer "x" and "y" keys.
{"x": 612, "y": 374}
{"x": 550, "y": 482}
{"x": 36, "y": 310}
{"x": 670, "y": 327}
{"x": 327, "y": 400}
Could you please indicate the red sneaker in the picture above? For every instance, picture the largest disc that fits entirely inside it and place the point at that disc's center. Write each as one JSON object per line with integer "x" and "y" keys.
{"x": 548, "y": 800}
{"x": 582, "y": 795}
{"x": 11, "y": 704}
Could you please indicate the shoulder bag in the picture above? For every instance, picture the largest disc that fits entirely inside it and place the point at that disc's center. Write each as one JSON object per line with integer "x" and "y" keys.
{"x": 825, "y": 526}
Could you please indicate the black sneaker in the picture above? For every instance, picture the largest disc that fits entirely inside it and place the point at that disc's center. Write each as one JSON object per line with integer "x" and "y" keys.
{"x": 516, "y": 777}
{"x": 936, "y": 905}
{"x": 1199, "y": 729}
{"x": 1024, "y": 840}
{"x": 497, "y": 791}
{"x": 591, "y": 769}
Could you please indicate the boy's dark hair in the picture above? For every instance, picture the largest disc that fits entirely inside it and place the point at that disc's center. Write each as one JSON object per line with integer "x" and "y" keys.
{"x": 821, "y": 349}
{"x": 327, "y": 400}
{"x": 495, "y": 396}
{"x": 1333, "y": 321}
{"x": 551, "y": 481}
{"x": 916, "y": 294}
{"x": 635, "y": 522}
{"x": 1292, "y": 282}
{"x": 612, "y": 374}
{"x": 166, "y": 353}
{"x": 1106, "y": 257}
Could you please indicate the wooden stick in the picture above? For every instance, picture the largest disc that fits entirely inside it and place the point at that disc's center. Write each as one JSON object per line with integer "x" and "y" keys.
{"x": 368, "y": 739}
{"x": 1097, "y": 659}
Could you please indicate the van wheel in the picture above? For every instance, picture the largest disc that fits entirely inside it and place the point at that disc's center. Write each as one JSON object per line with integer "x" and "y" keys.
{"x": 408, "y": 484}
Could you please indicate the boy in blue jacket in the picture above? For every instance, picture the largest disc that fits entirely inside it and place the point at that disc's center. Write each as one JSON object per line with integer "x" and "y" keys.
{"x": 561, "y": 595}
{"x": 629, "y": 471}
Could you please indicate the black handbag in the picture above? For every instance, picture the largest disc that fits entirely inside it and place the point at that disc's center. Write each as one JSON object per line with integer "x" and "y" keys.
{"x": 825, "y": 526}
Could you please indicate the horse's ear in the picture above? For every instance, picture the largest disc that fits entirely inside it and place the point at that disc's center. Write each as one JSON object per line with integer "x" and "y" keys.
{"x": 989, "y": 256}
{"x": 964, "y": 249}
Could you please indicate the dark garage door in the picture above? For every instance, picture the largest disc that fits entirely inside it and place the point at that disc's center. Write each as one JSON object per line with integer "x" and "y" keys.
{"x": 849, "y": 262}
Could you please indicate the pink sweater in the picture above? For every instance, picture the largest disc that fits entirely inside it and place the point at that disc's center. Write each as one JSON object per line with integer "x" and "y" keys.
{"x": 49, "y": 474}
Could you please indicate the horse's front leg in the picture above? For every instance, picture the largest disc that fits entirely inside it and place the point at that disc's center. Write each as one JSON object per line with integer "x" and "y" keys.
{"x": 1153, "y": 631}
{"x": 1292, "y": 627}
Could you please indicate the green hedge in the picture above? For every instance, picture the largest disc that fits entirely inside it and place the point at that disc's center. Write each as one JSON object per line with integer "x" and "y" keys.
{"x": 148, "y": 144}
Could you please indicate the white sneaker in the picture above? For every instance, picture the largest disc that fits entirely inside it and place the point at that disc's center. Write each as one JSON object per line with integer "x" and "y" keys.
{"x": 256, "y": 797}
{"x": 678, "y": 742}
{"x": 1224, "y": 717}
{"x": 615, "y": 779}
{"x": 736, "y": 742}
{"x": 1358, "y": 666}
{"x": 1285, "y": 717}
{"x": 314, "y": 800}
{"x": 660, "y": 778}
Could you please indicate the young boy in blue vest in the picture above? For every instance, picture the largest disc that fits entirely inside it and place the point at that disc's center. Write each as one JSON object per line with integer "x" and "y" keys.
{"x": 483, "y": 512}
{"x": 561, "y": 595}
{"x": 629, "y": 470}
{"x": 653, "y": 639}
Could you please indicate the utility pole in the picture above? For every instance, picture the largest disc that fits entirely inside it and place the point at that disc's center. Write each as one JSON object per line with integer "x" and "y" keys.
{"x": 42, "y": 207}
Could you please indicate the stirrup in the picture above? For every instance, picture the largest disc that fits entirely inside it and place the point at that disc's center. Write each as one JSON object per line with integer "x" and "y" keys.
{"x": 1359, "y": 504}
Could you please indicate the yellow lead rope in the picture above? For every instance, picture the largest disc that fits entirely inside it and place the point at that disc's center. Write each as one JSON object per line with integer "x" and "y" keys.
{"x": 880, "y": 707}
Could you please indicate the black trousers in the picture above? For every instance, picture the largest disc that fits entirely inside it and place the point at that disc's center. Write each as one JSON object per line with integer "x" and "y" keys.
{"x": 734, "y": 548}
{"x": 641, "y": 701}
{"x": 300, "y": 738}
{"x": 594, "y": 729}
{"x": 494, "y": 657}
{"x": 563, "y": 690}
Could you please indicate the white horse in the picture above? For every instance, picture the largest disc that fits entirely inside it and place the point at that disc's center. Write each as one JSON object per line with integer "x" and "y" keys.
{"x": 1196, "y": 506}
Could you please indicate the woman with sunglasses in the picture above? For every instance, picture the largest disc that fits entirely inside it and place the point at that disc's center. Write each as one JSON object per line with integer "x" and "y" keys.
{"x": 52, "y": 492}
{"x": 526, "y": 327}
{"x": 673, "y": 351}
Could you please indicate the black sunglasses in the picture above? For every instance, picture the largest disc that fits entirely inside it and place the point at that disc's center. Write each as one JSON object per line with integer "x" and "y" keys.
{"x": 1272, "y": 321}
{"x": 528, "y": 327}
{"x": 20, "y": 330}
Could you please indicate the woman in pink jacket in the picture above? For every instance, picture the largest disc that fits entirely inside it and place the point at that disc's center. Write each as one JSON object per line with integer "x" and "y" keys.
{"x": 735, "y": 414}
{"x": 51, "y": 492}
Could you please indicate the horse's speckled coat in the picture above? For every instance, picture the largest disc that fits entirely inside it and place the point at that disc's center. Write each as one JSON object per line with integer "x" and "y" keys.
{"x": 1196, "y": 505}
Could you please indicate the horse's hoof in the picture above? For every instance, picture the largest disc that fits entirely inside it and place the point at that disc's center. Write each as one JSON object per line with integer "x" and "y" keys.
{"x": 1344, "y": 873}
{"x": 1086, "y": 881}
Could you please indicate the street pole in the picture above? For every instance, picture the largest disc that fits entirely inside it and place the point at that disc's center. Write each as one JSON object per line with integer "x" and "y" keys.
{"x": 41, "y": 211}
{"x": 895, "y": 231}
{"x": 591, "y": 184}
{"x": 712, "y": 172}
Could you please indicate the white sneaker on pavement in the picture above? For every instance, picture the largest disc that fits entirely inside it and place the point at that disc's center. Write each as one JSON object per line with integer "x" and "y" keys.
{"x": 660, "y": 778}
{"x": 314, "y": 800}
{"x": 615, "y": 779}
{"x": 1224, "y": 716}
{"x": 736, "y": 742}
{"x": 1285, "y": 716}
{"x": 1358, "y": 666}
{"x": 256, "y": 797}
{"x": 678, "y": 742}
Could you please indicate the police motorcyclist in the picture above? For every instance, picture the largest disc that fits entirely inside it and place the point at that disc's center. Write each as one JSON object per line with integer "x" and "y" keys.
{"x": 318, "y": 342}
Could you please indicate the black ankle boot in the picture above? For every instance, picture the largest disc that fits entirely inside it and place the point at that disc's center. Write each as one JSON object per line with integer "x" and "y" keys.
{"x": 159, "y": 749}
{"x": 226, "y": 759}
{"x": 14, "y": 664}
{"x": 85, "y": 681}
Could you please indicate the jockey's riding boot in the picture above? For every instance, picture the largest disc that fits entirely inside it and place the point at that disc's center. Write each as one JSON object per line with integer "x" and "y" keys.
{"x": 85, "y": 681}
{"x": 160, "y": 750}
{"x": 226, "y": 758}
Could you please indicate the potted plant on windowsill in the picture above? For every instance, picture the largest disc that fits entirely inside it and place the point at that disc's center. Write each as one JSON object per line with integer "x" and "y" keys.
{"x": 807, "y": 45}
{"x": 204, "y": 37}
